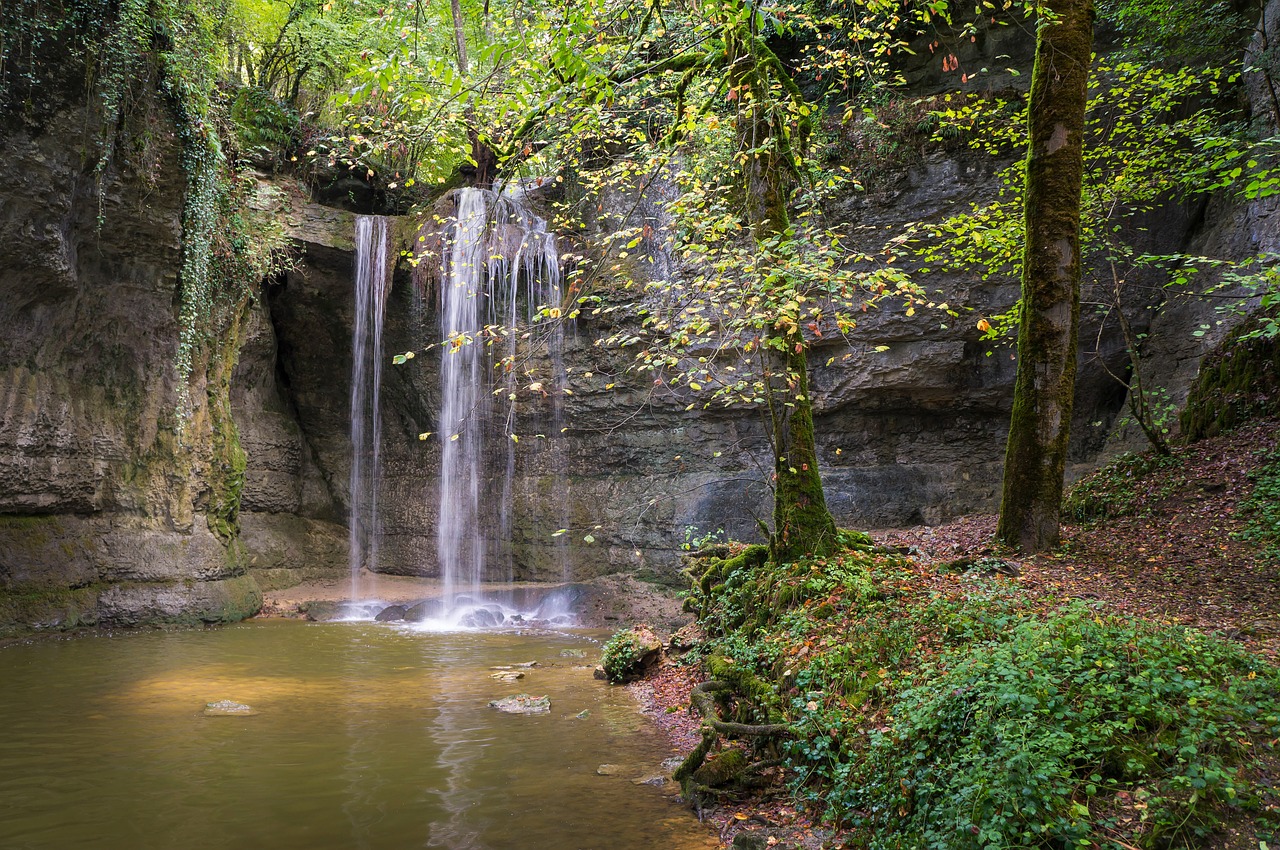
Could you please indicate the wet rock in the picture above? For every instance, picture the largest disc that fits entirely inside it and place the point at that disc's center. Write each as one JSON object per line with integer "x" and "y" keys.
{"x": 323, "y": 611}
{"x": 391, "y": 613}
{"x": 609, "y": 769}
{"x": 522, "y": 704}
{"x": 657, "y": 780}
{"x": 417, "y": 613}
{"x": 507, "y": 675}
{"x": 573, "y": 653}
{"x": 583, "y": 715}
{"x": 750, "y": 840}
{"x": 686, "y": 638}
{"x": 228, "y": 708}
{"x": 482, "y": 618}
{"x": 629, "y": 654}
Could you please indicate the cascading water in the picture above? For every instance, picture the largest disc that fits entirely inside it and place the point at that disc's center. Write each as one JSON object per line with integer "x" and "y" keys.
{"x": 500, "y": 257}
{"x": 366, "y": 380}
{"x": 458, "y": 536}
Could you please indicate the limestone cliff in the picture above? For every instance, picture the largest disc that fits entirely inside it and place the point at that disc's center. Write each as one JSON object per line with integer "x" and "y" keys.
{"x": 128, "y": 496}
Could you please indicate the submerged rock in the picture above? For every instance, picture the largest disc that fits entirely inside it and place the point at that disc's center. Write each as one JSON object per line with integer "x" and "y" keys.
{"x": 507, "y": 675}
{"x": 522, "y": 704}
{"x": 657, "y": 780}
{"x": 573, "y": 653}
{"x": 228, "y": 708}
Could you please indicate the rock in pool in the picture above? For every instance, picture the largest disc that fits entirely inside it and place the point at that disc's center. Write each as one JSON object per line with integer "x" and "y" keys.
{"x": 507, "y": 675}
{"x": 228, "y": 708}
{"x": 390, "y": 613}
{"x": 522, "y": 704}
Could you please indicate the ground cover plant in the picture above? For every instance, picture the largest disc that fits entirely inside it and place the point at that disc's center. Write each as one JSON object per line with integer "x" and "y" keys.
{"x": 935, "y": 703}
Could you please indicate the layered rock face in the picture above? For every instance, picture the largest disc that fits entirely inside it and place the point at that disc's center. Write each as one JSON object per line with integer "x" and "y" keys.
{"x": 107, "y": 493}
{"x": 103, "y": 487}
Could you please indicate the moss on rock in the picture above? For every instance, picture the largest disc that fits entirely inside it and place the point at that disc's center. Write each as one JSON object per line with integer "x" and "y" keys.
{"x": 1238, "y": 381}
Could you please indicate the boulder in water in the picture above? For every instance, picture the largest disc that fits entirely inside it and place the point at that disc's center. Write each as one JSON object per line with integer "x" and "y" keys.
{"x": 391, "y": 613}
{"x": 228, "y": 708}
{"x": 482, "y": 618}
{"x": 522, "y": 704}
{"x": 418, "y": 613}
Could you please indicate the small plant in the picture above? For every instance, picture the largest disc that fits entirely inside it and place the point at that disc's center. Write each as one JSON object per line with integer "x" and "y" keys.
{"x": 1008, "y": 742}
{"x": 628, "y": 653}
{"x": 695, "y": 539}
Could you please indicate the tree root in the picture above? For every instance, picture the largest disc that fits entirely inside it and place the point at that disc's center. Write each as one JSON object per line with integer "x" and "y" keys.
{"x": 703, "y": 699}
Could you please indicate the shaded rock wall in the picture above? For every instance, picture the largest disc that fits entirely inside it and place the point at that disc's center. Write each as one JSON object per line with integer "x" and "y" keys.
{"x": 104, "y": 489}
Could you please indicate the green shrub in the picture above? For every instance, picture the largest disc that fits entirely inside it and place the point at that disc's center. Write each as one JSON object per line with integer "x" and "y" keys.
{"x": 266, "y": 129}
{"x": 626, "y": 653}
{"x": 1006, "y": 743}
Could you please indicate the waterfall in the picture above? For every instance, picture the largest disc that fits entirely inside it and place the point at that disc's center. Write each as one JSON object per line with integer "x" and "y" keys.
{"x": 499, "y": 259}
{"x": 371, "y": 278}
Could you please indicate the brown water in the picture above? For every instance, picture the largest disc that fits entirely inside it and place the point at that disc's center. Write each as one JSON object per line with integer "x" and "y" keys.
{"x": 367, "y": 736}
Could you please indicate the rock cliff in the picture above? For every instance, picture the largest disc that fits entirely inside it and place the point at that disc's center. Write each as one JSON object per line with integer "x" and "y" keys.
{"x": 111, "y": 488}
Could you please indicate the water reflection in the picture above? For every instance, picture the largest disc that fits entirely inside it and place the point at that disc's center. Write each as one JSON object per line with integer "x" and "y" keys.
{"x": 367, "y": 736}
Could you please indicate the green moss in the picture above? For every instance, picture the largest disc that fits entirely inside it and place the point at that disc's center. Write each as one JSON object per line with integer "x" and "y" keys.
{"x": 236, "y": 599}
{"x": 721, "y": 770}
{"x": 759, "y": 692}
{"x": 229, "y": 459}
{"x": 53, "y": 609}
{"x": 33, "y": 530}
{"x": 1238, "y": 381}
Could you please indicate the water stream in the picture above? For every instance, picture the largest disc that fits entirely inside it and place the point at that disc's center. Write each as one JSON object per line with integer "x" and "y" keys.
{"x": 370, "y": 282}
{"x": 366, "y": 736}
{"x": 502, "y": 269}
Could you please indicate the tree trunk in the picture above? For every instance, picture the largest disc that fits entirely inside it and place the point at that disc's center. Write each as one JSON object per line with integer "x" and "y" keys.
{"x": 459, "y": 35}
{"x": 802, "y": 524}
{"x": 1044, "y": 390}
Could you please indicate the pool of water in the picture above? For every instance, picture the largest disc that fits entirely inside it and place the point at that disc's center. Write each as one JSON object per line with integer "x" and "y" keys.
{"x": 366, "y": 736}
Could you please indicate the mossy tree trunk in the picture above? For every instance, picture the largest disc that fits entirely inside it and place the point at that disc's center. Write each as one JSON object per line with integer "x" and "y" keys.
{"x": 802, "y": 524}
{"x": 1044, "y": 390}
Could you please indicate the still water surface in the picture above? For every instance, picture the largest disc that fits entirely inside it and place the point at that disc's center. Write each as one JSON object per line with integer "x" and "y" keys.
{"x": 367, "y": 736}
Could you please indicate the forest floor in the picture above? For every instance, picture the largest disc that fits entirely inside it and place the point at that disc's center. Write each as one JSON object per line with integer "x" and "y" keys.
{"x": 1168, "y": 549}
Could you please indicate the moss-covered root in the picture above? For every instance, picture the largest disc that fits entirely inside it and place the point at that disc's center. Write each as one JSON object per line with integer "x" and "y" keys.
{"x": 712, "y": 568}
{"x": 743, "y": 682}
{"x": 698, "y": 776}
